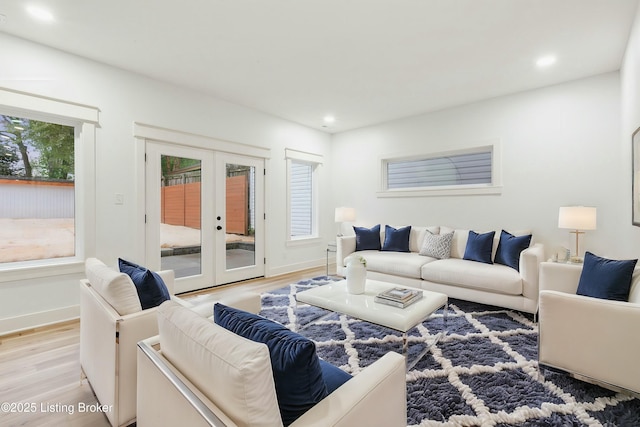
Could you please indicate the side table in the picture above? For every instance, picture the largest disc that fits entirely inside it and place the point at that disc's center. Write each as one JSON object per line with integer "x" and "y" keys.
{"x": 331, "y": 248}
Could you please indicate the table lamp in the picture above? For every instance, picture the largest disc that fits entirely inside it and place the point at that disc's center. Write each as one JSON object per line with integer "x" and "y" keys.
{"x": 344, "y": 214}
{"x": 577, "y": 219}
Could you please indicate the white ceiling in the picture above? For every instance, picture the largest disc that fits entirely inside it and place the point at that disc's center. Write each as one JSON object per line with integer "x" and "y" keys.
{"x": 363, "y": 61}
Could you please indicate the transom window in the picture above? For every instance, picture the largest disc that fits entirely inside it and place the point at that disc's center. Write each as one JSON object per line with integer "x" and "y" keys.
{"x": 467, "y": 171}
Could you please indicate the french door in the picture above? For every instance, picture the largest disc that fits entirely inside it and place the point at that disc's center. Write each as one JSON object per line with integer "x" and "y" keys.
{"x": 204, "y": 215}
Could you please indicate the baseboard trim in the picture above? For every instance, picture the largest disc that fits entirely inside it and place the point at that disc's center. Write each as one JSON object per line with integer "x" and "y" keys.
{"x": 12, "y": 325}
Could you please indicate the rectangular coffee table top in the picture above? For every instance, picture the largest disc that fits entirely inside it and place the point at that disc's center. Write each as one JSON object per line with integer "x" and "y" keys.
{"x": 334, "y": 297}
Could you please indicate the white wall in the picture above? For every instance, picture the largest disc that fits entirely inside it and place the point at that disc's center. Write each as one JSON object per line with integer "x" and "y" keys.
{"x": 630, "y": 94}
{"x": 560, "y": 146}
{"x": 124, "y": 98}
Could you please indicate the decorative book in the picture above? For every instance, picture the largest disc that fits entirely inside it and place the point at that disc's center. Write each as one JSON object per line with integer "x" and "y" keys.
{"x": 398, "y": 297}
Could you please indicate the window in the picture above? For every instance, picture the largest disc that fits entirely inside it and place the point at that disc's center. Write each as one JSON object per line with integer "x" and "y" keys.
{"x": 301, "y": 199}
{"x": 37, "y": 176}
{"x": 302, "y": 194}
{"x": 46, "y": 185}
{"x": 472, "y": 171}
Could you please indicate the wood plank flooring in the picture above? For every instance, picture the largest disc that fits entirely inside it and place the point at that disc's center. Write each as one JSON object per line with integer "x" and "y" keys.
{"x": 41, "y": 367}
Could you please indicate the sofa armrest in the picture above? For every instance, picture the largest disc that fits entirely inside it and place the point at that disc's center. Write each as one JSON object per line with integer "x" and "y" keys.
{"x": 555, "y": 276}
{"x": 246, "y": 300}
{"x": 590, "y": 337}
{"x": 374, "y": 397}
{"x": 529, "y": 264}
{"x": 345, "y": 246}
{"x": 177, "y": 401}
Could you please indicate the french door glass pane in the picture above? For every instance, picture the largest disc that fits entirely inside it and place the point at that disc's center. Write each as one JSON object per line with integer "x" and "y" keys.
{"x": 240, "y": 199}
{"x": 180, "y": 216}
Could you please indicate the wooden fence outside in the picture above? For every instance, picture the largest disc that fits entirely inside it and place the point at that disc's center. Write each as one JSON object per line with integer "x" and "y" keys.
{"x": 180, "y": 205}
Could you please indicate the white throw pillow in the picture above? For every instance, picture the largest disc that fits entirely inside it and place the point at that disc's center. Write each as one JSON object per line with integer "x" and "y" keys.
{"x": 116, "y": 288}
{"x": 233, "y": 372}
{"x": 437, "y": 245}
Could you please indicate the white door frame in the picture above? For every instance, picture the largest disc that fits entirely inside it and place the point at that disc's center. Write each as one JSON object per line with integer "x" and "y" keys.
{"x": 222, "y": 273}
{"x": 154, "y": 151}
{"x": 143, "y": 133}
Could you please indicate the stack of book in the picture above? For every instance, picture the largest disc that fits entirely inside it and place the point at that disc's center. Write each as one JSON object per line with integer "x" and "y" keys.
{"x": 398, "y": 297}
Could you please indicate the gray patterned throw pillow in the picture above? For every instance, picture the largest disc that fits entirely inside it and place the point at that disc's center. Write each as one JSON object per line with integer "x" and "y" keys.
{"x": 437, "y": 245}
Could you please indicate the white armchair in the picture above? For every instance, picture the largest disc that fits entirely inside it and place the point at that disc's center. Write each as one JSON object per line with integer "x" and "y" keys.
{"x": 592, "y": 338}
{"x": 208, "y": 376}
{"x": 111, "y": 323}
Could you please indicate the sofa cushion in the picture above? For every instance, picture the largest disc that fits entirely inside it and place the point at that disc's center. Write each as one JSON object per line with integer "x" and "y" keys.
{"x": 367, "y": 238}
{"x": 296, "y": 368}
{"x": 231, "y": 371}
{"x": 406, "y": 264}
{"x": 606, "y": 278}
{"x": 509, "y": 248}
{"x": 479, "y": 247}
{"x": 469, "y": 274}
{"x": 151, "y": 289}
{"x": 396, "y": 239}
{"x": 437, "y": 245}
{"x": 116, "y": 288}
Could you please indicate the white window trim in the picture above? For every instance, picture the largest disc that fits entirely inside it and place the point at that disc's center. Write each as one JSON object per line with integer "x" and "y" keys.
{"x": 447, "y": 190}
{"x": 85, "y": 120}
{"x": 316, "y": 160}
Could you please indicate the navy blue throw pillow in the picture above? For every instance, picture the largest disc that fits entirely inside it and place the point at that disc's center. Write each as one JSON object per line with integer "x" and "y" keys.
{"x": 152, "y": 291}
{"x": 479, "y": 247}
{"x": 296, "y": 367}
{"x": 333, "y": 376}
{"x": 509, "y": 249}
{"x": 606, "y": 278}
{"x": 396, "y": 239}
{"x": 367, "y": 239}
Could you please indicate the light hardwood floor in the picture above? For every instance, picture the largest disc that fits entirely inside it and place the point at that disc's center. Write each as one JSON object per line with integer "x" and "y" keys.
{"x": 41, "y": 367}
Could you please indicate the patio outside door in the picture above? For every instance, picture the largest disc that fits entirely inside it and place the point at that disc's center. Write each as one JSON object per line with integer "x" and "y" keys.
{"x": 202, "y": 209}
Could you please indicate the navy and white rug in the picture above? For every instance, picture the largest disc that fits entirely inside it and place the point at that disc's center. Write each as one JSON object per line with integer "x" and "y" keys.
{"x": 483, "y": 372}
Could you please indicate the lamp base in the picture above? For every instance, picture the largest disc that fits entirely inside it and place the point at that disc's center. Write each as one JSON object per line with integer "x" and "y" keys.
{"x": 576, "y": 260}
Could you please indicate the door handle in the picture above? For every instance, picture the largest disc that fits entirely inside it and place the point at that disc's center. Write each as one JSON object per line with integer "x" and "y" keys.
{"x": 219, "y": 227}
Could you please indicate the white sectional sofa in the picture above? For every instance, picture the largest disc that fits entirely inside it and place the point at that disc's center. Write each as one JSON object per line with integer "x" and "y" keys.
{"x": 493, "y": 284}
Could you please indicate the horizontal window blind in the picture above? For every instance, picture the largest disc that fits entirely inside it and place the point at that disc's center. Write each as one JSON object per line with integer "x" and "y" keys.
{"x": 301, "y": 203}
{"x": 451, "y": 170}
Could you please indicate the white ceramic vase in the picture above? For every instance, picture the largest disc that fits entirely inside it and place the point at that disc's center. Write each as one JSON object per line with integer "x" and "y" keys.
{"x": 356, "y": 276}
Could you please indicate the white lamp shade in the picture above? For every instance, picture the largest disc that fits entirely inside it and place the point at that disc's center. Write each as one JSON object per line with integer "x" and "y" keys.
{"x": 345, "y": 214}
{"x": 577, "y": 218}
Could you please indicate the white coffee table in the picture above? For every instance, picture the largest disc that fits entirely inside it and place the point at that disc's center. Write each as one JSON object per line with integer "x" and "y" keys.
{"x": 334, "y": 297}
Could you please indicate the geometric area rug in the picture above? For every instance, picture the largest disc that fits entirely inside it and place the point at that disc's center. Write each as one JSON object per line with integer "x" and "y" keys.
{"x": 482, "y": 372}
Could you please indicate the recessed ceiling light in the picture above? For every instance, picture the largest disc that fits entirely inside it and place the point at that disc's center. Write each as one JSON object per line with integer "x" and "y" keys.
{"x": 40, "y": 13}
{"x": 329, "y": 119}
{"x": 546, "y": 61}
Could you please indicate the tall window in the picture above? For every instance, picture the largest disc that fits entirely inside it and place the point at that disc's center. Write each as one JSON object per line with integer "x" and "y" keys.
{"x": 47, "y": 185}
{"x": 301, "y": 199}
{"x": 302, "y": 194}
{"x": 37, "y": 173}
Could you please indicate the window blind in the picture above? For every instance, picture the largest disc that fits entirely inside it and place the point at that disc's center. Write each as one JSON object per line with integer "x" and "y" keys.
{"x": 450, "y": 170}
{"x": 301, "y": 203}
